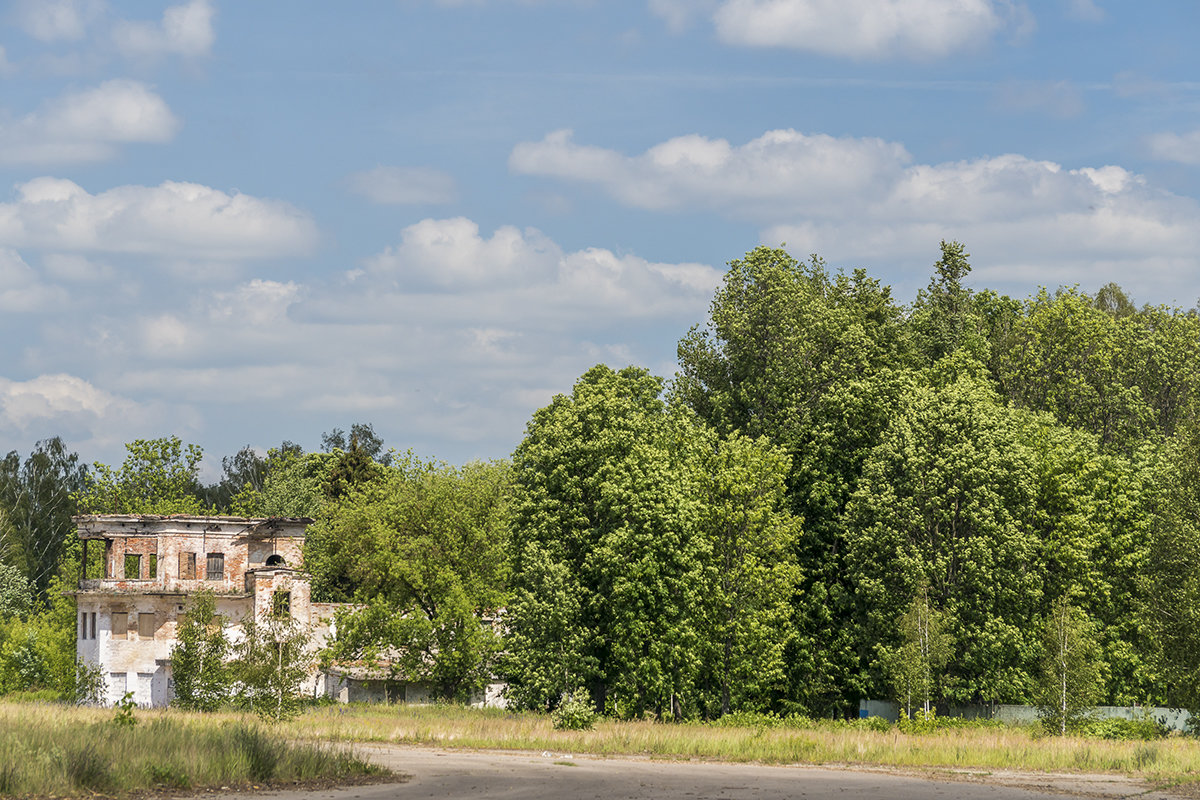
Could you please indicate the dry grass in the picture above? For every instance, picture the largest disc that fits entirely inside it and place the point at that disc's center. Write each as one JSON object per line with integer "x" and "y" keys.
{"x": 1165, "y": 760}
{"x": 54, "y": 750}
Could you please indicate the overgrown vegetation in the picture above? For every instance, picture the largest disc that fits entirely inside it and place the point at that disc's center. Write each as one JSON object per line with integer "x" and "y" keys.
{"x": 51, "y": 750}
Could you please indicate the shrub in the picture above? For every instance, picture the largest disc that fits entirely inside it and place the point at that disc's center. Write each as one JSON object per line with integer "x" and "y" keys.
{"x": 573, "y": 714}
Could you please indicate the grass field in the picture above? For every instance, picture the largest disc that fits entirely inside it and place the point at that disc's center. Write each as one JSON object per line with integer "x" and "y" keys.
{"x": 55, "y": 750}
{"x": 1166, "y": 760}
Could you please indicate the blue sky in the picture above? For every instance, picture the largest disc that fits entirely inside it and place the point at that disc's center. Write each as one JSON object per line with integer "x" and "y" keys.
{"x": 247, "y": 222}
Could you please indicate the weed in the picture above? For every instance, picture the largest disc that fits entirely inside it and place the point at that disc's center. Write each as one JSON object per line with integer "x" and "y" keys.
{"x": 86, "y": 767}
{"x": 262, "y": 753}
{"x": 124, "y": 718}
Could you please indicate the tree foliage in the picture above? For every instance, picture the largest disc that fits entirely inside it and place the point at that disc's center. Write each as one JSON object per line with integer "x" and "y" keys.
{"x": 199, "y": 658}
{"x": 158, "y": 476}
{"x": 1070, "y": 676}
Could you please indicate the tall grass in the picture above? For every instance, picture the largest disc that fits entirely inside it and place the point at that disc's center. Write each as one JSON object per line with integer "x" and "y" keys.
{"x": 50, "y": 749}
{"x": 811, "y": 742}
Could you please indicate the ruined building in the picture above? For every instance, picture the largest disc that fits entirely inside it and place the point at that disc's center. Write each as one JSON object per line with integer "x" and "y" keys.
{"x": 127, "y": 619}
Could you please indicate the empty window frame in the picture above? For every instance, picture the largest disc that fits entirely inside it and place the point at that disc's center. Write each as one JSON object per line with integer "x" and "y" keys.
{"x": 152, "y": 565}
{"x": 133, "y": 566}
{"x": 216, "y": 567}
{"x": 187, "y": 566}
{"x": 83, "y": 625}
{"x": 281, "y": 605}
{"x": 120, "y": 624}
{"x": 93, "y": 615}
{"x": 146, "y": 626}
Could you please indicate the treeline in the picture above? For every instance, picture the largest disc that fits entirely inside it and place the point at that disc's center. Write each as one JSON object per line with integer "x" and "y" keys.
{"x": 828, "y": 472}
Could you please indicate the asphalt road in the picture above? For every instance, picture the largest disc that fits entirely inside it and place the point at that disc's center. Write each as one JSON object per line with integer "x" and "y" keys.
{"x": 450, "y": 774}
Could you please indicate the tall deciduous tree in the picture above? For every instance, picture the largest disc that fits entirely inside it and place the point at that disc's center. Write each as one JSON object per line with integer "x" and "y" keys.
{"x": 813, "y": 362}
{"x": 915, "y": 667}
{"x": 37, "y": 498}
{"x": 1069, "y": 680}
{"x": 604, "y": 512}
{"x": 424, "y": 549}
{"x": 199, "y": 658}
{"x": 158, "y": 476}
{"x": 945, "y": 502}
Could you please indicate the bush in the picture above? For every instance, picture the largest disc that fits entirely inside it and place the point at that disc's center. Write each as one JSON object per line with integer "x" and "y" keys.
{"x": 574, "y": 715}
{"x": 1143, "y": 728}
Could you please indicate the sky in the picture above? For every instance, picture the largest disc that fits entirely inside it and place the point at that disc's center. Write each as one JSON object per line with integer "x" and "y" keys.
{"x": 245, "y": 222}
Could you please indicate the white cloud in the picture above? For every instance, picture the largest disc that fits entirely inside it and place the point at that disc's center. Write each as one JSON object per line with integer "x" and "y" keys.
{"x": 56, "y": 398}
{"x": 780, "y": 172}
{"x": 22, "y": 291}
{"x": 185, "y": 30}
{"x": 88, "y": 125}
{"x": 864, "y": 199}
{"x": 57, "y": 20}
{"x": 858, "y": 29}
{"x": 403, "y": 185}
{"x": 1182, "y": 148}
{"x": 678, "y": 14}
{"x": 184, "y": 221}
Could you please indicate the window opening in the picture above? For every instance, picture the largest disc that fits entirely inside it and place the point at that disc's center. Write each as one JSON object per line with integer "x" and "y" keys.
{"x": 187, "y": 566}
{"x": 281, "y": 604}
{"x": 152, "y": 565}
{"x": 216, "y": 566}
{"x": 133, "y": 566}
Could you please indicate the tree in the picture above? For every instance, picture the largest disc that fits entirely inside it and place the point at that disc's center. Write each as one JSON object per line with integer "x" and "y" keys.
{"x": 423, "y": 550}
{"x": 944, "y": 318}
{"x": 946, "y": 502}
{"x": 158, "y": 476}
{"x": 815, "y": 363}
{"x": 1171, "y": 605}
{"x": 198, "y": 660}
{"x": 270, "y": 663}
{"x": 751, "y": 573}
{"x": 362, "y": 437}
{"x": 915, "y": 666}
{"x": 37, "y": 498}
{"x": 1069, "y": 680}
{"x": 604, "y": 512}
{"x": 294, "y": 485}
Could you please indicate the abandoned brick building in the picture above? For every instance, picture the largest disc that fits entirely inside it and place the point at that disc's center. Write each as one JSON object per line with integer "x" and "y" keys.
{"x": 128, "y": 617}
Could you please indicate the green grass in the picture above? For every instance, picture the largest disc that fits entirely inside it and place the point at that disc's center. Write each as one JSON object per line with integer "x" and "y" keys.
{"x": 56, "y": 750}
{"x": 976, "y": 747}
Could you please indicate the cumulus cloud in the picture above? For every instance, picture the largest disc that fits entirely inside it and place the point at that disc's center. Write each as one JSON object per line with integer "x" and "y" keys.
{"x": 1182, "y": 148}
{"x": 57, "y": 398}
{"x": 850, "y": 199}
{"x": 88, "y": 125}
{"x": 801, "y": 172}
{"x": 522, "y": 274}
{"x": 403, "y": 185}
{"x": 57, "y": 20}
{"x": 185, "y": 221}
{"x": 185, "y": 30}
{"x": 857, "y": 29}
{"x": 22, "y": 290}
{"x": 1085, "y": 10}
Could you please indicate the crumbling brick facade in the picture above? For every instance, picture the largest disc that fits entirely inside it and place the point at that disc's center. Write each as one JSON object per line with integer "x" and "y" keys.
{"x": 127, "y": 620}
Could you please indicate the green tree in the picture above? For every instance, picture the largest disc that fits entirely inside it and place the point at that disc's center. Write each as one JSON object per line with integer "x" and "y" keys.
{"x": 37, "y": 498}
{"x": 815, "y": 363}
{"x": 424, "y": 551}
{"x": 945, "y": 318}
{"x": 915, "y": 667}
{"x": 1171, "y": 600}
{"x": 270, "y": 663}
{"x": 946, "y": 502}
{"x": 751, "y": 573}
{"x": 158, "y": 476}
{"x": 293, "y": 486}
{"x": 1069, "y": 680}
{"x": 198, "y": 660}
{"x": 604, "y": 511}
